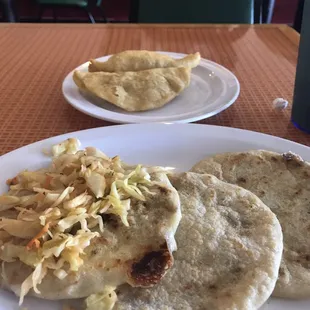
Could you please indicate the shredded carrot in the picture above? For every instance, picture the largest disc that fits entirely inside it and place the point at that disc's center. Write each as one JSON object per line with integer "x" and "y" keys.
{"x": 13, "y": 181}
{"x": 36, "y": 243}
{"x": 47, "y": 182}
{"x": 35, "y": 240}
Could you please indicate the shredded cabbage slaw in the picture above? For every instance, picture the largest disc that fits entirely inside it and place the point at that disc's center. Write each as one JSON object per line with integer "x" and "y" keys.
{"x": 49, "y": 216}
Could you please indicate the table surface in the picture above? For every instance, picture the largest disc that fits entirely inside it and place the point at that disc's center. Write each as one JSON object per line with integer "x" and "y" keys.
{"x": 35, "y": 58}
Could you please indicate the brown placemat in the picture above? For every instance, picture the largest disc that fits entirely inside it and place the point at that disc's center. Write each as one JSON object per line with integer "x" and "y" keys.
{"x": 34, "y": 59}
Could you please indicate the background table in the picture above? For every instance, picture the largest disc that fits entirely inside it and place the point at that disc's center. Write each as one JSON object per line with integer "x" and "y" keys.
{"x": 35, "y": 58}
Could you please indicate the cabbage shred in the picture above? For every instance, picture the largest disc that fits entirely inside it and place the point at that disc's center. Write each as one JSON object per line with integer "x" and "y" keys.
{"x": 49, "y": 216}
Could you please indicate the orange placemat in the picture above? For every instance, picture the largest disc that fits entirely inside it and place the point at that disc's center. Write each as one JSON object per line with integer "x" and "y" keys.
{"x": 34, "y": 59}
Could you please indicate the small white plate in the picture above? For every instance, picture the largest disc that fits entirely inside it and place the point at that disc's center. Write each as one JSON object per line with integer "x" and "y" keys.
{"x": 179, "y": 146}
{"x": 213, "y": 88}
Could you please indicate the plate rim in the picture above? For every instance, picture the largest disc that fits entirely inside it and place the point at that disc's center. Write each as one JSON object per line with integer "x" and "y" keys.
{"x": 117, "y": 117}
{"x": 234, "y": 132}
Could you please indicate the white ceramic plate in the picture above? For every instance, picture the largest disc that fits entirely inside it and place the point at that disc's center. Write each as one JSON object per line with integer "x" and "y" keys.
{"x": 179, "y": 146}
{"x": 213, "y": 88}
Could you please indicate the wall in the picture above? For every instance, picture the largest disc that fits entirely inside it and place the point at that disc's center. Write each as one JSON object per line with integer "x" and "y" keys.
{"x": 118, "y": 10}
{"x": 115, "y": 10}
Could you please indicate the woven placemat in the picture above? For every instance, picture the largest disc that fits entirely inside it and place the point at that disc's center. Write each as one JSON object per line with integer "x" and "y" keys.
{"x": 34, "y": 59}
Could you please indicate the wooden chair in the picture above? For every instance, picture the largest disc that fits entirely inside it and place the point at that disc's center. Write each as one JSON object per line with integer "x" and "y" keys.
{"x": 86, "y": 5}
